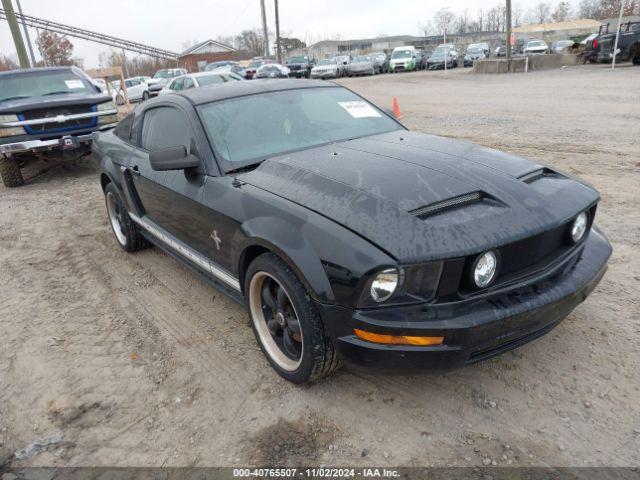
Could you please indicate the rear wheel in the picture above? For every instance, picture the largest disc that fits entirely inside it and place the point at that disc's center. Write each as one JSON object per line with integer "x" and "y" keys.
{"x": 120, "y": 100}
{"x": 127, "y": 233}
{"x": 286, "y": 323}
{"x": 10, "y": 172}
{"x": 635, "y": 55}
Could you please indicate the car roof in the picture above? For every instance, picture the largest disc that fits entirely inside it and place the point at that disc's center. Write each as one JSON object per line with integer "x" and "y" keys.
{"x": 199, "y": 96}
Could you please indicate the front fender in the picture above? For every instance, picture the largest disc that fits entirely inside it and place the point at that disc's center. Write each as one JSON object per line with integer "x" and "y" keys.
{"x": 285, "y": 240}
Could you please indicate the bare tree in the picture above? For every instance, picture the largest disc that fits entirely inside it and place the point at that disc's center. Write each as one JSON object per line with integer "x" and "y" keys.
{"x": 516, "y": 14}
{"x": 540, "y": 12}
{"x": 443, "y": 20}
{"x": 562, "y": 11}
{"x": 7, "y": 63}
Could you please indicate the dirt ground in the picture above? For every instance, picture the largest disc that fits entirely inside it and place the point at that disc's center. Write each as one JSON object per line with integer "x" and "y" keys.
{"x": 130, "y": 360}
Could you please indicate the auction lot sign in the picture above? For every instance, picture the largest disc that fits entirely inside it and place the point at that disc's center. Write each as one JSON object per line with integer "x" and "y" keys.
{"x": 412, "y": 473}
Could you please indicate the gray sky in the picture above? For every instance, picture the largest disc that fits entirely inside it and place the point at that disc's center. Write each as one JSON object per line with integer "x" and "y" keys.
{"x": 168, "y": 24}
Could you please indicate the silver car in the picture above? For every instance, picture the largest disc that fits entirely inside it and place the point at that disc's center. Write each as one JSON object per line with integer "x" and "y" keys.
{"x": 327, "y": 68}
{"x": 535, "y": 47}
{"x": 360, "y": 65}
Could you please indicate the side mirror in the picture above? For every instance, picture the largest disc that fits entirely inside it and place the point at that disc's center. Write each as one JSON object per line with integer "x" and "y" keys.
{"x": 172, "y": 158}
{"x": 344, "y": 63}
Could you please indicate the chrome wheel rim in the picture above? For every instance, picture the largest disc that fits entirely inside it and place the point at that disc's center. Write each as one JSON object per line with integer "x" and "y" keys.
{"x": 276, "y": 321}
{"x": 115, "y": 213}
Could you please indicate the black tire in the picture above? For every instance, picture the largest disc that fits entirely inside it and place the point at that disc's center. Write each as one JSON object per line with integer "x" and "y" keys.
{"x": 318, "y": 357}
{"x": 10, "y": 173}
{"x": 145, "y": 96}
{"x": 119, "y": 100}
{"x": 635, "y": 55}
{"x": 129, "y": 237}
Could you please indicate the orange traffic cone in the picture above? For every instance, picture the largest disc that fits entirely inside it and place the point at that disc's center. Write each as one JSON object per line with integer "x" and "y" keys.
{"x": 396, "y": 109}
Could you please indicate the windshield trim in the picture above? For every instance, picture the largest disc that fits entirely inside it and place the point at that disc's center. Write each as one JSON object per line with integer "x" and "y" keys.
{"x": 225, "y": 166}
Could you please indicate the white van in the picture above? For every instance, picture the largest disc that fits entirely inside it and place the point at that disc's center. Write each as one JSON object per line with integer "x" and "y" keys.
{"x": 403, "y": 59}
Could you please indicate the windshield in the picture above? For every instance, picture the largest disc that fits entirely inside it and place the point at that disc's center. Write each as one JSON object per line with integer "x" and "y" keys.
{"x": 401, "y": 54}
{"x": 360, "y": 59}
{"x": 248, "y": 129}
{"x": 326, "y": 62}
{"x": 255, "y": 64}
{"x": 475, "y": 50}
{"x": 167, "y": 73}
{"x": 535, "y": 44}
{"x": 37, "y": 83}
{"x": 212, "y": 79}
{"x": 298, "y": 60}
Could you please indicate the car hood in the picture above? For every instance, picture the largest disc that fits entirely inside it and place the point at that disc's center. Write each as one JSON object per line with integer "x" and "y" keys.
{"x": 373, "y": 185}
{"x": 24, "y": 104}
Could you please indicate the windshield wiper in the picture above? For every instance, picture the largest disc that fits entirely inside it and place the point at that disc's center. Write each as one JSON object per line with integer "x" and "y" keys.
{"x": 56, "y": 93}
{"x": 246, "y": 168}
{"x": 17, "y": 97}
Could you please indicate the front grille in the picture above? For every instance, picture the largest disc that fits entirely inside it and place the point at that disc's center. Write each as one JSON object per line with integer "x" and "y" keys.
{"x": 54, "y": 112}
{"x": 518, "y": 261}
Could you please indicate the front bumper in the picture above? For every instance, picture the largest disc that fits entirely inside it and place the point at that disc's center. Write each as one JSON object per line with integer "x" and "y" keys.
{"x": 9, "y": 149}
{"x": 298, "y": 73}
{"x": 324, "y": 74}
{"x": 473, "y": 329}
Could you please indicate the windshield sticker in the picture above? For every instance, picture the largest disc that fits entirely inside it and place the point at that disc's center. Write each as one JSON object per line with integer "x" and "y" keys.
{"x": 359, "y": 109}
{"x": 73, "y": 84}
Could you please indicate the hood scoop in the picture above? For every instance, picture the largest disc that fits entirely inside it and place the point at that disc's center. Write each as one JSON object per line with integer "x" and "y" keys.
{"x": 537, "y": 175}
{"x": 456, "y": 202}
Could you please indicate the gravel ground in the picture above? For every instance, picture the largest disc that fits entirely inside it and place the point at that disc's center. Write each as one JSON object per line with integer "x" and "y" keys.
{"x": 113, "y": 359}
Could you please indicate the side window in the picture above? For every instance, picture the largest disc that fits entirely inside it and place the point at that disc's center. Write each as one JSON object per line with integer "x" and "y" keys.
{"x": 123, "y": 129}
{"x": 164, "y": 127}
{"x": 188, "y": 83}
{"x": 177, "y": 84}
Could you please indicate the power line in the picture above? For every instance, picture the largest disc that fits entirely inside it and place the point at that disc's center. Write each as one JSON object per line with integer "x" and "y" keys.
{"x": 109, "y": 40}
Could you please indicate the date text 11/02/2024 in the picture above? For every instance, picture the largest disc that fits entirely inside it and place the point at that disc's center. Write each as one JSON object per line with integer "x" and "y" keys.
{"x": 370, "y": 472}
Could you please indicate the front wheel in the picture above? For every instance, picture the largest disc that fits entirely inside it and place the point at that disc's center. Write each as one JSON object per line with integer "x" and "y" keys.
{"x": 145, "y": 96}
{"x": 127, "y": 233}
{"x": 10, "y": 172}
{"x": 286, "y": 323}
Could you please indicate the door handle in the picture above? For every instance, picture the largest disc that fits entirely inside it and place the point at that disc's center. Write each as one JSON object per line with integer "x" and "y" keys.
{"x": 135, "y": 170}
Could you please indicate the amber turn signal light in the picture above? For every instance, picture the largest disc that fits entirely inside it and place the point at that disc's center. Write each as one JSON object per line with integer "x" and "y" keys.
{"x": 397, "y": 339}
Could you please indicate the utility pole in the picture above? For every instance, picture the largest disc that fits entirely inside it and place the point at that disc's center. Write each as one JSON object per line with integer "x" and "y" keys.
{"x": 446, "y": 49}
{"x": 278, "y": 59}
{"x": 26, "y": 36}
{"x": 265, "y": 32}
{"x": 615, "y": 47}
{"x": 508, "y": 15}
{"x": 15, "y": 33}
{"x": 124, "y": 63}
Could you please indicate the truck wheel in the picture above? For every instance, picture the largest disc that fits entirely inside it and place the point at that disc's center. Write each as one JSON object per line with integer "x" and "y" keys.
{"x": 10, "y": 173}
{"x": 286, "y": 323}
{"x": 127, "y": 233}
{"x": 635, "y": 55}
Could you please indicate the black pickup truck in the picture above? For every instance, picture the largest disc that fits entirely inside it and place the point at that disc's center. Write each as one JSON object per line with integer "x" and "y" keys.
{"x": 628, "y": 44}
{"x": 300, "y": 67}
{"x": 600, "y": 49}
{"x": 50, "y": 114}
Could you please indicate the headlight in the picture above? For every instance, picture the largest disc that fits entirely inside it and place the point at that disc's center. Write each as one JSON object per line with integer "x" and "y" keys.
{"x": 484, "y": 269}
{"x": 102, "y": 107}
{"x": 384, "y": 285}
{"x": 10, "y": 131}
{"x": 579, "y": 227}
{"x": 107, "y": 119}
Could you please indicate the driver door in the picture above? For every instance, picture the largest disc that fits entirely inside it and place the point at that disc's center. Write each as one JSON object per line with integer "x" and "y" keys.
{"x": 170, "y": 200}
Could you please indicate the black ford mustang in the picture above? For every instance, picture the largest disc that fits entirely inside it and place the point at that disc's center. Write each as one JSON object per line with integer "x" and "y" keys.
{"x": 349, "y": 237}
